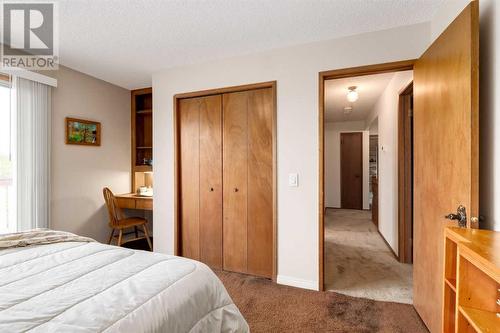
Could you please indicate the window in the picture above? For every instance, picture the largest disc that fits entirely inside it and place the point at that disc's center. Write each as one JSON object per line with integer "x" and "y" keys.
{"x": 7, "y": 161}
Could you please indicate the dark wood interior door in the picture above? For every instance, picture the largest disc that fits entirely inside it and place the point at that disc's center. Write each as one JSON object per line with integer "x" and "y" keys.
{"x": 405, "y": 176}
{"x": 446, "y": 148}
{"x": 351, "y": 170}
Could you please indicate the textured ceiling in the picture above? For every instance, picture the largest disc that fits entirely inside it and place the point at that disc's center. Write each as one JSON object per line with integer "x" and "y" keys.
{"x": 370, "y": 88}
{"x": 125, "y": 41}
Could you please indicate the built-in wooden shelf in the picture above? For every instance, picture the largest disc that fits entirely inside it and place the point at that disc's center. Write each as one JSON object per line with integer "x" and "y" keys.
{"x": 142, "y": 137}
{"x": 471, "y": 281}
{"x": 143, "y": 168}
{"x": 452, "y": 283}
{"x": 482, "y": 321}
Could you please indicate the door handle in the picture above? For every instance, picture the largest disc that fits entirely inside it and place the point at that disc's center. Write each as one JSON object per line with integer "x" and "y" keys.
{"x": 460, "y": 216}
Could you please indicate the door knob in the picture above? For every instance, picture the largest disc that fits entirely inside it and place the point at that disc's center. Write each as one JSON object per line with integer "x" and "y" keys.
{"x": 460, "y": 216}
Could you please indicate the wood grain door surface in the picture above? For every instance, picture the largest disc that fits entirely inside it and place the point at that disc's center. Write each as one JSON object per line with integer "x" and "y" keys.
{"x": 235, "y": 165}
{"x": 189, "y": 146}
{"x": 201, "y": 178}
{"x": 211, "y": 180}
{"x": 351, "y": 170}
{"x": 248, "y": 177}
{"x": 226, "y": 180}
{"x": 446, "y": 150}
{"x": 260, "y": 183}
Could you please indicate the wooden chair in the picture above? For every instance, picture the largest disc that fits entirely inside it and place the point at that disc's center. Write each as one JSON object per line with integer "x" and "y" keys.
{"x": 117, "y": 221}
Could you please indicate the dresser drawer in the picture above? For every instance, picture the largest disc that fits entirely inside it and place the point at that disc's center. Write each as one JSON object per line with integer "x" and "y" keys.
{"x": 144, "y": 204}
{"x": 126, "y": 203}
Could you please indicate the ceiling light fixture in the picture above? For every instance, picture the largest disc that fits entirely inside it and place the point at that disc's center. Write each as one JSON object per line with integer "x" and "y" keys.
{"x": 352, "y": 95}
{"x": 347, "y": 109}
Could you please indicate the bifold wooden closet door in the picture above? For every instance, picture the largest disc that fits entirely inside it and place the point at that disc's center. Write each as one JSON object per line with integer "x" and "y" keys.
{"x": 200, "y": 145}
{"x": 248, "y": 182}
{"x": 226, "y": 180}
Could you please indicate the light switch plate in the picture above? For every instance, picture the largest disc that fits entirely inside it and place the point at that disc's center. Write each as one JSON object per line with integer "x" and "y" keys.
{"x": 293, "y": 180}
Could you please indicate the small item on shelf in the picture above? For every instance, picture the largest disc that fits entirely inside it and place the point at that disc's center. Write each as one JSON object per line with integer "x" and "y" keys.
{"x": 145, "y": 191}
{"x": 147, "y": 161}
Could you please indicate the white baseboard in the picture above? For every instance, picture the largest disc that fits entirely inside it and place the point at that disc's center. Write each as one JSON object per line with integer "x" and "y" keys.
{"x": 296, "y": 282}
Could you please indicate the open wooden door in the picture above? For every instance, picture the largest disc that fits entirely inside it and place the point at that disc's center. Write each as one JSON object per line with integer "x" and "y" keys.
{"x": 446, "y": 147}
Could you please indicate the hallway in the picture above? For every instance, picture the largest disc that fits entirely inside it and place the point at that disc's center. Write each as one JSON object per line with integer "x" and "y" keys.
{"x": 358, "y": 262}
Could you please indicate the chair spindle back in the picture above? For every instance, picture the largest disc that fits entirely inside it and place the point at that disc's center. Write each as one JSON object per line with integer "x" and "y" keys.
{"x": 115, "y": 213}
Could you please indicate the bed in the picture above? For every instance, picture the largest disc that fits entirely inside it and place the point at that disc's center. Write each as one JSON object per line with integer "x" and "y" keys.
{"x": 66, "y": 283}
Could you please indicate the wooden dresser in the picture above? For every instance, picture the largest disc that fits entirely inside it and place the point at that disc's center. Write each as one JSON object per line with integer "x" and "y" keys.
{"x": 471, "y": 280}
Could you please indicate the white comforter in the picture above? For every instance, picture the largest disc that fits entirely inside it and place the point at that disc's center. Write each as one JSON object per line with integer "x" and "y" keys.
{"x": 92, "y": 287}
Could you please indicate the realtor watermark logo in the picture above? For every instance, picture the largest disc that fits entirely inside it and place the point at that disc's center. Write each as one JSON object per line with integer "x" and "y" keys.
{"x": 30, "y": 35}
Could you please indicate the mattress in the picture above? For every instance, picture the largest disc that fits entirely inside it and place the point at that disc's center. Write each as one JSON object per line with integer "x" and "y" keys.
{"x": 92, "y": 287}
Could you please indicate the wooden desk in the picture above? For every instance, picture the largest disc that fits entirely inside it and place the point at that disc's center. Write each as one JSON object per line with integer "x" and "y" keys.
{"x": 133, "y": 201}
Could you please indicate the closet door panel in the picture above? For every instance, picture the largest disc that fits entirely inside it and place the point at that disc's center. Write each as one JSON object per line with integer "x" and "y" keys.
{"x": 189, "y": 124}
{"x": 211, "y": 181}
{"x": 260, "y": 182}
{"x": 235, "y": 165}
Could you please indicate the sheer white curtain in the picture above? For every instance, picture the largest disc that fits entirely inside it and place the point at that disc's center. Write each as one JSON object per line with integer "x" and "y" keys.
{"x": 33, "y": 105}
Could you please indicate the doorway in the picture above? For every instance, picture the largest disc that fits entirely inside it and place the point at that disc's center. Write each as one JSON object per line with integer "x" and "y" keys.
{"x": 354, "y": 221}
{"x": 445, "y": 126}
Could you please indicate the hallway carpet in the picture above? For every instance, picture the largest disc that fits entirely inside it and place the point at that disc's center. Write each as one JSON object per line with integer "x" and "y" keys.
{"x": 269, "y": 307}
{"x": 358, "y": 262}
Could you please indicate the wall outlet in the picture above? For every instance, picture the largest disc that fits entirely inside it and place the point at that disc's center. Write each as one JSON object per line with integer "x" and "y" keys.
{"x": 293, "y": 180}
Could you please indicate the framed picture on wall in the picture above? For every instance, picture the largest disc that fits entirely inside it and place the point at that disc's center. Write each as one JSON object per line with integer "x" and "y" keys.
{"x": 83, "y": 132}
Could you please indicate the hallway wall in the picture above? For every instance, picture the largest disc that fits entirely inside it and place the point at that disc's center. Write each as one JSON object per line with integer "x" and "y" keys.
{"x": 386, "y": 111}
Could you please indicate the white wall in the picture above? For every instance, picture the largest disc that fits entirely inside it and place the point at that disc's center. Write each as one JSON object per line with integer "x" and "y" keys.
{"x": 489, "y": 102}
{"x": 373, "y": 127}
{"x": 332, "y": 161}
{"x": 296, "y": 71}
{"x": 386, "y": 111}
{"x": 446, "y": 14}
{"x": 79, "y": 172}
{"x": 489, "y": 116}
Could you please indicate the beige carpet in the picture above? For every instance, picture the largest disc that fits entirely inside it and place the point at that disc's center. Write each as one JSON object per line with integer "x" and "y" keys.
{"x": 357, "y": 261}
{"x": 269, "y": 307}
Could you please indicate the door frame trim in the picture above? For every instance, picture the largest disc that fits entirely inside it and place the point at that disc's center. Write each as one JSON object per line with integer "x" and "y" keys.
{"x": 218, "y": 91}
{"x": 322, "y": 77}
{"x": 404, "y": 161}
{"x": 362, "y": 176}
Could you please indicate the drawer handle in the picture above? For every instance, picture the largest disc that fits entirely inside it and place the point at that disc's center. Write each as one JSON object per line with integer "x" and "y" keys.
{"x": 211, "y": 189}
{"x": 236, "y": 189}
